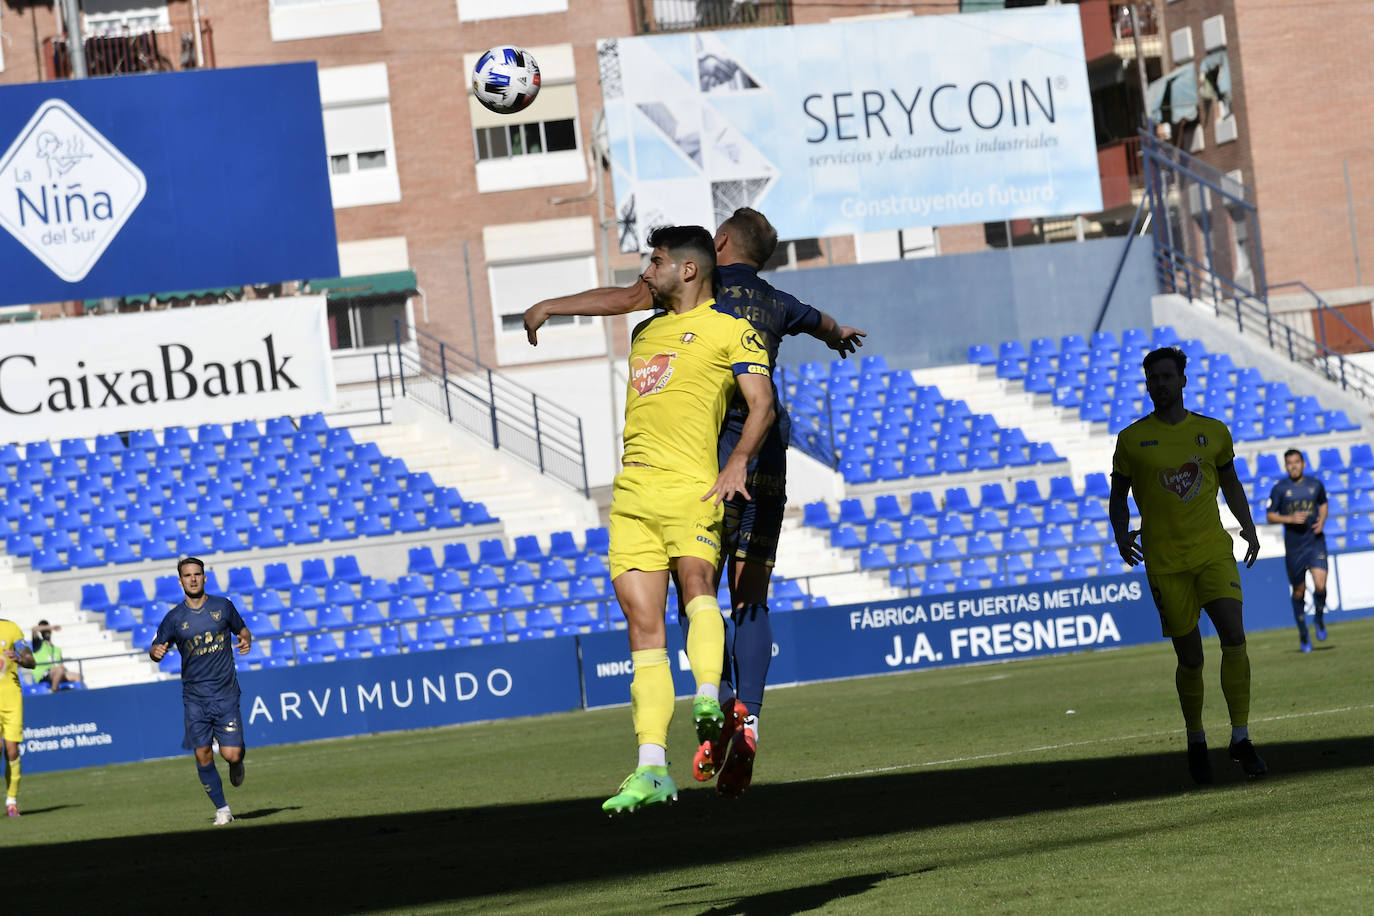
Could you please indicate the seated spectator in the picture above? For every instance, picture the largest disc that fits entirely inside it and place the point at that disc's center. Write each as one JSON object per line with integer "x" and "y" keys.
{"x": 48, "y": 668}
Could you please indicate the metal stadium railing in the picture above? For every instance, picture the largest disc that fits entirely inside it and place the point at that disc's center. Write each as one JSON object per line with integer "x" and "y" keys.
{"x": 502, "y": 412}
{"x": 1207, "y": 247}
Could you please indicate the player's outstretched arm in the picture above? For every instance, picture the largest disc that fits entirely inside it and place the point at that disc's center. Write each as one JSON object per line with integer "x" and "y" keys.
{"x": 758, "y": 393}
{"x": 1233, "y": 491}
{"x": 1119, "y": 513}
{"x": 605, "y": 300}
{"x": 245, "y": 641}
{"x": 843, "y": 339}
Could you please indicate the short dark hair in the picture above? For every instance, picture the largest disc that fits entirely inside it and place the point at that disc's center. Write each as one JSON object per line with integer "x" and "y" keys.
{"x": 1178, "y": 356}
{"x": 1293, "y": 451}
{"x": 756, "y": 236}
{"x": 189, "y": 561}
{"x": 693, "y": 240}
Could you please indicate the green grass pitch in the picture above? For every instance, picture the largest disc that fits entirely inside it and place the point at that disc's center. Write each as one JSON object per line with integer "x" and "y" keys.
{"x": 1049, "y": 785}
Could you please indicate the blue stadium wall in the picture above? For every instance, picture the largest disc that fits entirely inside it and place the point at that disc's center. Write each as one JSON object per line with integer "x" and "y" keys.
{"x": 929, "y": 311}
{"x": 78, "y": 728}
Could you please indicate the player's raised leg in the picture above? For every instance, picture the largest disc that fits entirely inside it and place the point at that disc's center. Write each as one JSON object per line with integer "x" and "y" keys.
{"x": 705, "y": 643}
{"x": 642, "y": 596}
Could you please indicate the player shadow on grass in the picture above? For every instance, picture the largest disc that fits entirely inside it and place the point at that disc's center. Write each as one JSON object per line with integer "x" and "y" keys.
{"x": 258, "y": 813}
{"x": 801, "y": 899}
{"x": 414, "y": 859}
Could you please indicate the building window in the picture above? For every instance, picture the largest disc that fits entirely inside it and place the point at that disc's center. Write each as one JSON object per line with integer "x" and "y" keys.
{"x": 525, "y": 139}
{"x": 371, "y": 324}
{"x": 358, "y": 137}
{"x": 290, "y": 20}
{"x": 527, "y": 262}
{"x": 472, "y": 10}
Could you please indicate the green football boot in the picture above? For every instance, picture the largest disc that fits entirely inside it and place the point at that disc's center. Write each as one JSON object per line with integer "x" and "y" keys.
{"x": 647, "y": 785}
{"x": 709, "y": 719}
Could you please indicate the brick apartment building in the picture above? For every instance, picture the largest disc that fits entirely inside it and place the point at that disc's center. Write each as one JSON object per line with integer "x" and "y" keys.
{"x": 1284, "y": 109}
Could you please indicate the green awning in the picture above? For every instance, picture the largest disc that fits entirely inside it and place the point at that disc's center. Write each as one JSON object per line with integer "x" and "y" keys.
{"x": 178, "y": 295}
{"x": 366, "y": 286}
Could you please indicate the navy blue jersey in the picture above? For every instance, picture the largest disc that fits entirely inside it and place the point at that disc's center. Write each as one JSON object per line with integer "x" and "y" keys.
{"x": 205, "y": 637}
{"x": 1302, "y": 497}
{"x": 741, "y": 292}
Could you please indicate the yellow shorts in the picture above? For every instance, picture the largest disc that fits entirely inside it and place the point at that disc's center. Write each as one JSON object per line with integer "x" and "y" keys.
{"x": 11, "y": 713}
{"x": 658, "y": 516}
{"x": 1180, "y": 596}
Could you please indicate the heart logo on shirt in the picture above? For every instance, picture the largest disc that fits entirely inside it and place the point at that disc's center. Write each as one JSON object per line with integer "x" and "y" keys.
{"x": 651, "y": 375}
{"x": 1182, "y": 480}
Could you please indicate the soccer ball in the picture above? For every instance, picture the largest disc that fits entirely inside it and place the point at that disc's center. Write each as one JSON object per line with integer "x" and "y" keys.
{"x": 506, "y": 79}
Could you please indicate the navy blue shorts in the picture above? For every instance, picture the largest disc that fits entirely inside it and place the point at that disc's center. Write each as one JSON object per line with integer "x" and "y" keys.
{"x": 1299, "y": 559}
{"x": 214, "y": 718}
{"x": 752, "y": 525}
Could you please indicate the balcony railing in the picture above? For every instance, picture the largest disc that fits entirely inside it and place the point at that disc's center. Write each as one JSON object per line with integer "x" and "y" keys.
{"x": 157, "y": 50}
{"x": 652, "y": 16}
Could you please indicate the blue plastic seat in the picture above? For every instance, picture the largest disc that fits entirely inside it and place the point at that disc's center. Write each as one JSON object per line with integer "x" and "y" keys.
{"x": 368, "y": 613}
{"x": 331, "y": 616}
{"x": 421, "y": 560}
{"x": 405, "y": 608}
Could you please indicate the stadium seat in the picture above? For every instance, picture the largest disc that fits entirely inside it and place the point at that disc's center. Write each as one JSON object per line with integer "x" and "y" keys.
{"x": 95, "y": 598}
{"x": 293, "y": 620}
{"x": 331, "y": 616}
{"x": 404, "y": 608}
{"x": 368, "y": 613}
{"x": 456, "y": 557}
{"x": 563, "y": 545}
{"x": 421, "y": 560}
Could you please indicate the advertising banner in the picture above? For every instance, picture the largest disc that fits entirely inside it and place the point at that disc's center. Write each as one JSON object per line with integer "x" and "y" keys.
{"x": 854, "y": 126}
{"x": 78, "y": 728}
{"x": 416, "y": 690}
{"x": 208, "y": 364}
{"x": 148, "y": 183}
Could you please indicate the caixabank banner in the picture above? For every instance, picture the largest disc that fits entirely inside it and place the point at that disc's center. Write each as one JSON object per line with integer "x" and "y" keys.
{"x": 209, "y": 364}
{"x": 847, "y": 127}
{"x": 148, "y": 183}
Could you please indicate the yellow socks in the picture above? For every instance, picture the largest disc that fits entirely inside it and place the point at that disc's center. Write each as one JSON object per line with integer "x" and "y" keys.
{"x": 12, "y": 779}
{"x": 651, "y": 696}
{"x": 1235, "y": 683}
{"x": 1190, "y": 693}
{"x": 705, "y": 639}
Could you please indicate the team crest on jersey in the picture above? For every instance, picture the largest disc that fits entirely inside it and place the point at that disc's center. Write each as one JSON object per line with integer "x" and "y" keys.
{"x": 650, "y": 376}
{"x": 752, "y": 342}
{"x": 214, "y": 615}
{"x": 1184, "y": 480}
{"x": 1201, "y": 439}
{"x": 688, "y": 337}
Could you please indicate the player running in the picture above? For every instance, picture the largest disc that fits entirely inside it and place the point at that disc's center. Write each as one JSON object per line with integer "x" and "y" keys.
{"x": 200, "y": 626}
{"x": 666, "y": 511}
{"x": 14, "y": 654}
{"x": 1299, "y": 504}
{"x": 1176, "y": 461}
{"x": 743, "y": 243}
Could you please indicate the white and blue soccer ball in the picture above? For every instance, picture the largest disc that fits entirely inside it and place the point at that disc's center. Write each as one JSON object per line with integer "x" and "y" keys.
{"x": 505, "y": 79}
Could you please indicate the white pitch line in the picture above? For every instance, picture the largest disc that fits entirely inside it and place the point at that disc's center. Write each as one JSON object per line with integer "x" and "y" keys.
{"x": 873, "y": 771}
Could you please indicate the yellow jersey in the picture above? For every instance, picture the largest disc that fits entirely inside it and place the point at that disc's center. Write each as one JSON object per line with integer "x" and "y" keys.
{"x": 682, "y": 376}
{"x": 1173, "y": 472}
{"x": 11, "y": 637}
